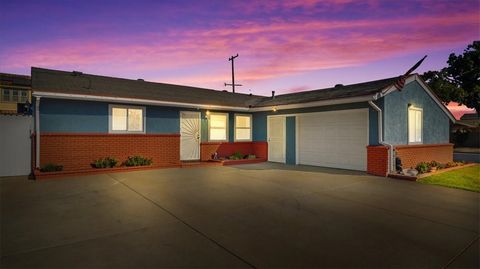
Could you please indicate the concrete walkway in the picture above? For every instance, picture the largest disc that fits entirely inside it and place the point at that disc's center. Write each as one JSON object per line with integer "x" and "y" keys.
{"x": 263, "y": 215}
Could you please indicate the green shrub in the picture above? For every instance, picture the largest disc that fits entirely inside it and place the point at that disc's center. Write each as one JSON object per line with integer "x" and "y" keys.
{"x": 441, "y": 166}
{"x": 423, "y": 167}
{"x": 105, "y": 162}
{"x": 251, "y": 156}
{"x": 50, "y": 167}
{"x": 236, "y": 156}
{"x": 451, "y": 164}
{"x": 137, "y": 161}
{"x": 434, "y": 164}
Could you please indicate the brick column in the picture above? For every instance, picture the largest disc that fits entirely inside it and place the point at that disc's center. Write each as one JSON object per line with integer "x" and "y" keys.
{"x": 377, "y": 160}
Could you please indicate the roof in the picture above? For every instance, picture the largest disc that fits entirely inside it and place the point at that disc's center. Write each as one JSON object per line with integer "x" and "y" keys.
{"x": 337, "y": 92}
{"x": 470, "y": 116}
{"x": 55, "y": 81}
{"x": 15, "y": 80}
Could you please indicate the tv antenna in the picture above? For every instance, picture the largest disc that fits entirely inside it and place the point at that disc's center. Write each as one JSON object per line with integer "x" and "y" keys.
{"x": 232, "y": 58}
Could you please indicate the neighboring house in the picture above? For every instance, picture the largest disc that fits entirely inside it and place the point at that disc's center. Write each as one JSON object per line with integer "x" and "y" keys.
{"x": 466, "y": 131}
{"x": 15, "y": 90}
{"x": 82, "y": 117}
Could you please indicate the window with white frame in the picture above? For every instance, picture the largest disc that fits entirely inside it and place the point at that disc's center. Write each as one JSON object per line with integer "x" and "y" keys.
{"x": 415, "y": 125}
{"x": 218, "y": 127}
{"x": 243, "y": 127}
{"x": 127, "y": 119}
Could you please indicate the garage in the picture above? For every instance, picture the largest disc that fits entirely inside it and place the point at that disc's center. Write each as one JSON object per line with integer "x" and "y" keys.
{"x": 335, "y": 139}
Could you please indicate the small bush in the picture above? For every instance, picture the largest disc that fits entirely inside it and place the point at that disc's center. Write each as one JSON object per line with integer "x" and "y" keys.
{"x": 50, "y": 167}
{"x": 434, "y": 164}
{"x": 423, "y": 167}
{"x": 251, "y": 156}
{"x": 451, "y": 164}
{"x": 441, "y": 166}
{"x": 137, "y": 161}
{"x": 105, "y": 162}
{"x": 236, "y": 156}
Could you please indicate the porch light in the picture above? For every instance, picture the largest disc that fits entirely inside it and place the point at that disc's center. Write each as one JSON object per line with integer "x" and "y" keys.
{"x": 274, "y": 109}
{"x": 207, "y": 114}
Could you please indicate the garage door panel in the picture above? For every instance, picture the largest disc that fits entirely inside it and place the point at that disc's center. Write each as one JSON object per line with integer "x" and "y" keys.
{"x": 333, "y": 139}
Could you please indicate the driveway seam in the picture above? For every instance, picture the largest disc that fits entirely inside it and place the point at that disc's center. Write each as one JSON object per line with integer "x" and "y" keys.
{"x": 461, "y": 252}
{"x": 185, "y": 223}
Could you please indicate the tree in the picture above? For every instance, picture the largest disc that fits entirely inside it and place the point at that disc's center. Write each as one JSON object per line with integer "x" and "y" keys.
{"x": 460, "y": 80}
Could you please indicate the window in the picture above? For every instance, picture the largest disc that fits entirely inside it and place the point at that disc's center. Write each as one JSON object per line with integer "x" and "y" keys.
{"x": 415, "y": 125}
{"x": 218, "y": 127}
{"x": 14, "y": 96}
{"x": 6, "y": 95}
{"x": 243, "y": 127}
{"x": 127, "y": 119}
{"x": 23, "y": 96}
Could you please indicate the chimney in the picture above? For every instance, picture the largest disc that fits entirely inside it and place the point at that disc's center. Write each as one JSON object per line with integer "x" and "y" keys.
{"x": 273, "y": 94}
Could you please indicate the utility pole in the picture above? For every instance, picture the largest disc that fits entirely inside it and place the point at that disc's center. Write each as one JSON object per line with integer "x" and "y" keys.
{"x": 233, "y": 74}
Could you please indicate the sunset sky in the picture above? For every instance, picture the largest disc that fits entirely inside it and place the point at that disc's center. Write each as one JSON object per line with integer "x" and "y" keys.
{"x": 283, "y": 46}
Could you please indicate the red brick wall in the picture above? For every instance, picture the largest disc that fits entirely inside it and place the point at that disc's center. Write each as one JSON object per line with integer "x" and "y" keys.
{"x": 224, "y": 149}
{"x": 78, "y": 151}
{"x": 411, "y": 155}
{"x": 377, "y": 160}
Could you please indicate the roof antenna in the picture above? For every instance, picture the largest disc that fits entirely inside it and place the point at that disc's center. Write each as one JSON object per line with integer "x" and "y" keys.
{"x": 401, "y": 80}
{"x": 233, "y": 75}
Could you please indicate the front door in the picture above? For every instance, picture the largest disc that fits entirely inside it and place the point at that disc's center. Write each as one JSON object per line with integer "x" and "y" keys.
{"x": 189, "y": 135}
{"x": 276, "y": 139}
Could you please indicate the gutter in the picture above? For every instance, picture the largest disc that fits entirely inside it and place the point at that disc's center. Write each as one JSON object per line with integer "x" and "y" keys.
{"x": 391, "y": 160}
{"x": 37, "y": 132}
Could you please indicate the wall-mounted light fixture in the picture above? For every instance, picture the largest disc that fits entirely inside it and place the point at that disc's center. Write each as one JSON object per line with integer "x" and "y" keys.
{"x": 409, "y": 105}
{"x": 274, "y": 109}
{"x": 207, "y": 114}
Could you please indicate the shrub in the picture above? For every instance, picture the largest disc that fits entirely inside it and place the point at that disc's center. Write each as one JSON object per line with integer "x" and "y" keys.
{"x": 451, "y": 164}
{"x": 434, "y": 164}
{"x": 423, "y": 167}
{"x": 236, "y": 156}
{"x": 137, "y": 161}
{"x": 251, "y": 156}
{"x": 50, "y": 167}
{"x": 105, "y": 162}
{"x": 441, "y": 166}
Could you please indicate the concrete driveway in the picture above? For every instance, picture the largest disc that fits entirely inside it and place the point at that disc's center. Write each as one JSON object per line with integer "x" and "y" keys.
{"x": 263, "y": 215}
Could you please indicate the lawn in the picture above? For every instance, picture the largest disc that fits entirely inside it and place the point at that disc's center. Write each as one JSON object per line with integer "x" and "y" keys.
{"x": 467, "y": 178}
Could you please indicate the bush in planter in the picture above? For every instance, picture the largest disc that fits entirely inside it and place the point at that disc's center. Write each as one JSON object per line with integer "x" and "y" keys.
{"x": 251, "y": 156}
{"x": 236, "y": 156}
{"x": 51, "y": 167}
{"x": 422, "y": 167}
{"x": 106, "y": 162}
{"x": 451, "y": 164}
{"x": 137, "y": 161}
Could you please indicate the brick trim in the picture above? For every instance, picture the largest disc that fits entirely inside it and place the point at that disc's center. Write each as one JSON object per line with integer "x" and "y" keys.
{"x": 411, "y": 155}
{"x": 224, "y": 149}
{"x": 422, "y": 145}
{"x": 108, "y": 134}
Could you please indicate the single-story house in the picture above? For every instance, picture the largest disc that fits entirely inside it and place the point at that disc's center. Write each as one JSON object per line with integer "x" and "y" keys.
{"x": 82, "y": 117}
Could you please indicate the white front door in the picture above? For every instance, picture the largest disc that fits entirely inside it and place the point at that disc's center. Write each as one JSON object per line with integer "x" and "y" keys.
{"x": 276, "y": 139}
{"x": 189, "y": 135}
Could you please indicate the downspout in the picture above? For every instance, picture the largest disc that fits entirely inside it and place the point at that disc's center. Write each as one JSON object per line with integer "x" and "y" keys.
{"x": 391, "y": 161}
{"x": 37, "y": 132}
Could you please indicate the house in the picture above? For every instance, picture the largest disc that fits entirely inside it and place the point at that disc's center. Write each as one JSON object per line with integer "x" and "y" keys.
{"x": 82, "y": 117}
{"x": 15, "y": 91}
{"x": 466, "y": 131}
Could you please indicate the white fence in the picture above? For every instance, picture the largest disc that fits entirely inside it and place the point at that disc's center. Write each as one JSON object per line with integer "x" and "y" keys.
{"x": 15, "y": 145}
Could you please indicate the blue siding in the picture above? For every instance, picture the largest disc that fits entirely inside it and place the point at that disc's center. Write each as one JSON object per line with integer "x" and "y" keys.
{"x": 373, "y": 124}
{"x": 73, "y": 116}
{"x": 436, "y": 122}
{"x": 291, "y": 140}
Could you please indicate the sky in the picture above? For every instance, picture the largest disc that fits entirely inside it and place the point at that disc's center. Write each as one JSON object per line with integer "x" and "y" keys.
{"x": 286, "y": 46}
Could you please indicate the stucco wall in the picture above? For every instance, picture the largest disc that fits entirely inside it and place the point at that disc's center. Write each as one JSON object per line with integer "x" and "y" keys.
{"x": 290, "y": 144}
{"x": 395, "y": 107}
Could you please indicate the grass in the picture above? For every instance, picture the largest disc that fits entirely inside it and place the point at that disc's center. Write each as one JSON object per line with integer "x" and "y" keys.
{"x": 467, "y": 178}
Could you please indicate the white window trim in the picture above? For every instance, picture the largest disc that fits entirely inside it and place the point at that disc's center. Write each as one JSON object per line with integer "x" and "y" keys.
{"x": 111, "y": 106}
{"x": 408, "y": 125}
{"x": 226, "y": 127}
{"x": 235, "y": 127}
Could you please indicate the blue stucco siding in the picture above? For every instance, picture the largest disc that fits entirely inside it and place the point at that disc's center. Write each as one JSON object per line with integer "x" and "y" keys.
{"x": 260, "y": 118}
{"x": 69, "y": 116}
{"x": 73, "y": 116}
{"x": 291, "y": 140}
{"x": 395, "y": 109}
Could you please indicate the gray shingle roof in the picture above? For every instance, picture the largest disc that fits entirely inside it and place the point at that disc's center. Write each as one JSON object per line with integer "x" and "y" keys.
{"x": 79, "y": 83}
{"x": 16, "y": 80}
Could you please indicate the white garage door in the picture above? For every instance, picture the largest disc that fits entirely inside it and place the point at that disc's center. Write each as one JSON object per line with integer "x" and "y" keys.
{"x": 334, "y": 139}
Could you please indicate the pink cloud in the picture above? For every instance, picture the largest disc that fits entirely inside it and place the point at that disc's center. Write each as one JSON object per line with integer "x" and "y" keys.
{"x": 459, "y": 110}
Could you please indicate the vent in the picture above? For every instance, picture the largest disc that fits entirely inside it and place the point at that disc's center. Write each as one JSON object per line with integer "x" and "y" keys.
{"x": 338, "y": 85}
{"x": 77, "y": 73}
